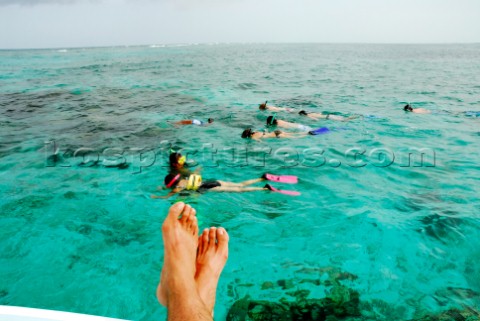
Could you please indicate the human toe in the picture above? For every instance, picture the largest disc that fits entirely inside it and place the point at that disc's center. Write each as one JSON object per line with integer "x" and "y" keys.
{"x": 203, "y": 241}
{"x": 205, "y": 236}
{"x": 173, "y": 213}
{"x": 222, "y": 240}
{"x": 192, "y": 224}
{"x": 185, "y": 214}
{"x": 212, "y": 236}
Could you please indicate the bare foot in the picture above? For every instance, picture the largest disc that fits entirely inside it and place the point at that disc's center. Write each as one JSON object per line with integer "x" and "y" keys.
{"x": 211, "y": 258}
{"x": 180, "y": 239}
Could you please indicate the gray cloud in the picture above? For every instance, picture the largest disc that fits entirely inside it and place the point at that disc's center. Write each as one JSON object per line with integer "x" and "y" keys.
{"x": 179, "y": 3}
{"x": 34, "y": 2}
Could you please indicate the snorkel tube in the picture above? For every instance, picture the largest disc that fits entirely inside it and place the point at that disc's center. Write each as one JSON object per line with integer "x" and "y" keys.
{"x": 271, "y": 120}
{"x": 176, "y": 178}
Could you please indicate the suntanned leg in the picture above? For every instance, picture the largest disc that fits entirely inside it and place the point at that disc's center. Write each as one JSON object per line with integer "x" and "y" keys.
{"x": 211, "y": 258}
{"x": 177, "y": 286}
{"x": 236, "y": 189}
{"x": 252, "y": 181}
{"x": 244, "y": 183}
{"x": 293, "y": 135}
{"x": 351, "y": 117}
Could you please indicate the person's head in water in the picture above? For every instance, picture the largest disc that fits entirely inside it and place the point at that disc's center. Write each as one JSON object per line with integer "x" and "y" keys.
{"x": 263, "y": 106}
{"x": 210, "y": 120}
{"x": 247, "y": 133}
{"x": 271, "y": 121}
{"x": 408, "y": 107}
{"x": 302, "y": 112}
{"x": 177, "y": 160}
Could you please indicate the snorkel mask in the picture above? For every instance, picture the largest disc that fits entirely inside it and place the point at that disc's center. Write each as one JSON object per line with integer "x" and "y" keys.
{"x": 182, "y": 160}
{"x": 175, "y": 159}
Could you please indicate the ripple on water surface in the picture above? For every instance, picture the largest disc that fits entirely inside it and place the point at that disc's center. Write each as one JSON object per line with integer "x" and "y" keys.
{"x": 375, "y": 234}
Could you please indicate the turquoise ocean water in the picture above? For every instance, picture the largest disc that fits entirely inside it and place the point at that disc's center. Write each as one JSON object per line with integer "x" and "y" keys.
{"x": 79, "y": 236}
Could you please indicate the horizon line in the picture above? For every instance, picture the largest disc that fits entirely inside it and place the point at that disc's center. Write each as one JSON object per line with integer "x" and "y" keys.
{"x": 180, "y": 44}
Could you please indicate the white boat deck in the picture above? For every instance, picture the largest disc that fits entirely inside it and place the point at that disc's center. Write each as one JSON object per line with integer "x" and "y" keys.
{"x": 11, "y": 313}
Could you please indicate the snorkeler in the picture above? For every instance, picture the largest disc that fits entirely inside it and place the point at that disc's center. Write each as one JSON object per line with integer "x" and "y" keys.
{"x": 469, "y": 113}
{"x": 273, "y": 108}
{"x": 194, "y": 122}
{"x": 409, "y": 108}
{"x": 273, "y": 121}
{"x": 317, "y": 116}
{"x": 249, "y": 133}
{"x": 194, "y": 183}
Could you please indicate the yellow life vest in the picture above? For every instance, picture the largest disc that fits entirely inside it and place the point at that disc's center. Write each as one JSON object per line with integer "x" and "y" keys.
{"x": 194, "y": 182}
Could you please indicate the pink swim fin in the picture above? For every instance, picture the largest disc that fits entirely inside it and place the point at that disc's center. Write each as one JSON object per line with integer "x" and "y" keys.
{"x": 289, "y": 179}
{"x": 273, "y": 189}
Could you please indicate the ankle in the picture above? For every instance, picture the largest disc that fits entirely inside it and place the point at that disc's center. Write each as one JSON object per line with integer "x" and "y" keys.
{"x": 181, "y": 295}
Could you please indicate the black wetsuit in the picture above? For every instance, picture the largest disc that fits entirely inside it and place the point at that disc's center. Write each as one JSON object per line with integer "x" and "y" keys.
{"x": 206, "y": 185}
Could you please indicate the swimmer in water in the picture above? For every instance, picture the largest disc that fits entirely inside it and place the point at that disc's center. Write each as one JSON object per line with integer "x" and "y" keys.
{"x": 275, "y": 109}
{"x": 194, "y": 122}
{"x": 178, "y": 165}
{"x": 273, "y": 121}
{"x": 195, "y": 183}
{"x": 249, "y": 133}
{"x": 469, "y": 113}
{"x": 317, "y": 116}
{"x": 409, "y": 108}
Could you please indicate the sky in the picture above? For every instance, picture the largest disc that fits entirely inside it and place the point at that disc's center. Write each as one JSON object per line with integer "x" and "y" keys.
{"x": 85, "y": 23}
